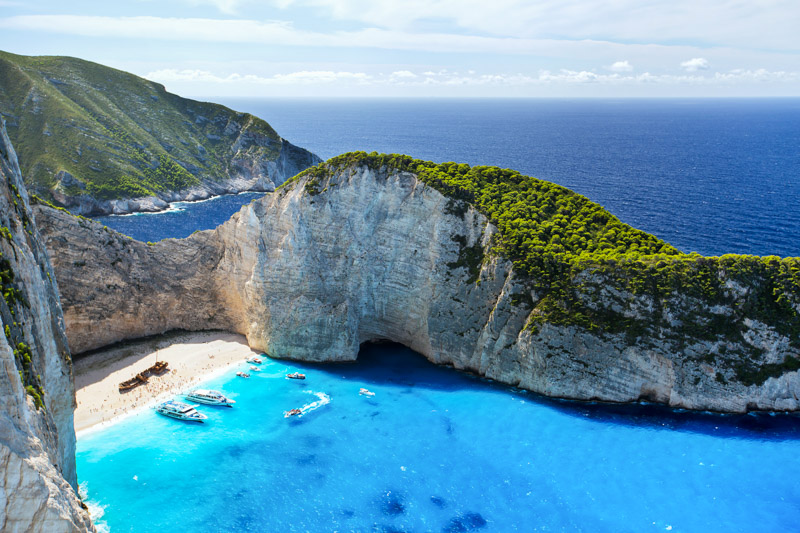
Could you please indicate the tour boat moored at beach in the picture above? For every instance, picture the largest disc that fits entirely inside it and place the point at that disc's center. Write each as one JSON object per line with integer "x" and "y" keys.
{"x": 210, "y": 397}
{"x": 254, "y": 368}
{"x": 243, "y": 374}
{"x": 296, "y": 375}
{"x": 254, "y": 359}
{"x": 181, "y": 411}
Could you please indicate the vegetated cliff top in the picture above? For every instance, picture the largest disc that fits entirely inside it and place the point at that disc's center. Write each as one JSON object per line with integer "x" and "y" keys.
{"x": 122, "y": 136}
{"x": 574, "y": 255}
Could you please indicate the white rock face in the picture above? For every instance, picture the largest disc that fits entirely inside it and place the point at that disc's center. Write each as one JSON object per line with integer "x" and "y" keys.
{"x": 374, "y": 255}
{"x": 37, "y": 444}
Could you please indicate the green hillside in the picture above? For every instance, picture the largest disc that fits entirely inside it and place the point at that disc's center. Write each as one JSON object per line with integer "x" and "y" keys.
{"x": 120, "y": 135}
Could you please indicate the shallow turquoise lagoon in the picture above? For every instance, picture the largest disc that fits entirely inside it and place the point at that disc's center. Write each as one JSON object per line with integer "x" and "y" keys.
{"x": 437, "y": 450}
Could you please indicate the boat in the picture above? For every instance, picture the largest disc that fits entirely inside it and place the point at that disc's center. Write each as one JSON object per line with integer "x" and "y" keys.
{"x": 323, "y": 399}
{"x": 159, "y": 368}
{"x": 254, "y": 359}
{"x": 142, "y": 377}
{"x": 296, "y": 375}
{"x": 181, "y": 411}
{"x": 210, "y": 397}
{"x": 255, "y": 368}
{"x": 365, "y": 392}
{"x": 243, "y": 374}
{"x": 138, "y": 379}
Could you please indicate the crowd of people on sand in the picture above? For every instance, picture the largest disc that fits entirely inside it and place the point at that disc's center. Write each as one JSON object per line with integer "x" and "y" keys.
{"x": 148, "y": 393}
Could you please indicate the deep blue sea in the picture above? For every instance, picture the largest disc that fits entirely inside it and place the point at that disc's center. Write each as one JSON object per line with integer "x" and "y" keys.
{"x": 436, "y": 450}
{"x": 708, "y": 175}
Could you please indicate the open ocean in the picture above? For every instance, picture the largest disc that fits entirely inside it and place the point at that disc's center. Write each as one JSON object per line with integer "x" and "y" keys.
{"x": 441, "y": 451}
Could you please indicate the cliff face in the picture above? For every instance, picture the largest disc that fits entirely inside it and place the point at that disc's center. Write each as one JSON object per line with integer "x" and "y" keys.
{"x": 363, "y": 253}
{"x": 119, "y": 288}
{"x": 37, "y": 439}
{"x": 98, "y": 140}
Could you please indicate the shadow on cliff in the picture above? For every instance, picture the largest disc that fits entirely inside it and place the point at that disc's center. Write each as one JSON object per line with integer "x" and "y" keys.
{"x": 390, "y": 363}
{"x": 387, "y": 363}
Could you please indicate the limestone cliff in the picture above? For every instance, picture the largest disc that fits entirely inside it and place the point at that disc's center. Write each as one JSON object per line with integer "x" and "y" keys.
{"x": 37, "y": 439}
{"x": 362, "y": 250}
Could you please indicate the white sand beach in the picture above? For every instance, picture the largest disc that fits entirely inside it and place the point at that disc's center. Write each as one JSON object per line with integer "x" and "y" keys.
{"x": 192, "y": 357}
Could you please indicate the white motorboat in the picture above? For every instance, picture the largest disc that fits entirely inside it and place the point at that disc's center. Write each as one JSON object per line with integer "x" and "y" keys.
{"x": 181, "y": 411}
{"x": 324, "y": 399}
{"x": 210, "y": 397}
{"x": 254, "y": 368}
{"x": 254, "y": 359}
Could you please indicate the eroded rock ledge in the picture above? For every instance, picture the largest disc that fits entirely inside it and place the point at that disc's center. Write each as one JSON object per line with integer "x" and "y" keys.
{"x": 359, "y": 253}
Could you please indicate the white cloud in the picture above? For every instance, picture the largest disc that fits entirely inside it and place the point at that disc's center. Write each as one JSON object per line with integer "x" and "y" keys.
{"x": 445, "y": 78}
{"x": 304, "y": 77}
{"x": 695, "y": 64}
{"x": 468, "y": 40}
{"x": 307, "y": 77}
{"x": 736, "y": 23}
{"x": 268, "y": 32}
{"x": 621, "y": 66}
{"x": 170, "y": 29}
{"x": 225, "y": 6}
{"x": 403, "y": 74}
{"x": 282, "y": 33}
{"x": 229, "y": 7}
{"x": 737, "y": 76}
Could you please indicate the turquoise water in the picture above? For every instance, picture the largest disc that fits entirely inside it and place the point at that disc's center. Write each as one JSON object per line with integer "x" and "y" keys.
{"x": 437, "y": 450}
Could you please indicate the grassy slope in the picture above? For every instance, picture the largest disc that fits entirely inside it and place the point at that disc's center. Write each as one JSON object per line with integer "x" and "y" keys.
{"x": 580, "y": 261}
{"x": 120, "y": 134}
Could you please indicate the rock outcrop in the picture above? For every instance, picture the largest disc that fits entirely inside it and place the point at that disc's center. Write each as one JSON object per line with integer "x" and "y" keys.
{"x": 336, "y": 259}
{"x": 37, "y": 440}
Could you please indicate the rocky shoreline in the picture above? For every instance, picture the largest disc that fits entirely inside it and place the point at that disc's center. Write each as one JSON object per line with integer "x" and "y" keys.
{"x": 86, "y": 205}
{"x": 263, "y": 177}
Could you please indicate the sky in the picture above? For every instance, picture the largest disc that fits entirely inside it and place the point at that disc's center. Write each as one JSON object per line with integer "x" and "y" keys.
{"x": 426, "y": 48}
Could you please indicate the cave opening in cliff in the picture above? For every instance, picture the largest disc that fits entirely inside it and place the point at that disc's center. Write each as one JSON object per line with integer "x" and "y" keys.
{"x": 384, "y": 361}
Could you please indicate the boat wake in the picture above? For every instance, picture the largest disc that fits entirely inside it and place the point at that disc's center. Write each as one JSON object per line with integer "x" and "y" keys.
{"x": 324, "y": 399}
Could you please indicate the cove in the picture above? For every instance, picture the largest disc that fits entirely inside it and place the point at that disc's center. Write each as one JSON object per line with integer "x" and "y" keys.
{"x": 436, "y": 450}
